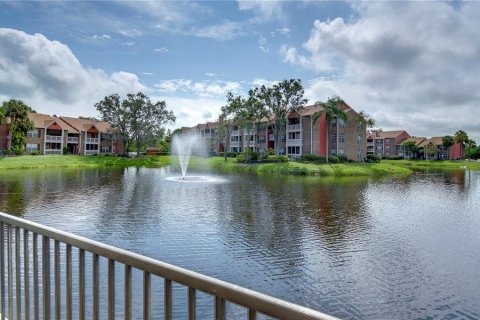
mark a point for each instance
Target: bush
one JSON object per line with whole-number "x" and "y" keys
{"x": 277, "y": 158}
{"x": 312, "y": 158}
{"x": 342, "y": 158}
{"x": 18, "y": 151}
{"x": 270, "y": 152}
{"x": 395, "y": 158}
{"x": 6, "y": 152}
{"x": 241, "y": 157}
{"x": 221, "y": 154}
{"x": 65, "y": 150}
{"x": 254, "y": 156}
{"x": 372, "y": 158}
{"x": 231, "y": 154}
{"x": 333, "y": 159}
{"x": 35, "y": 153}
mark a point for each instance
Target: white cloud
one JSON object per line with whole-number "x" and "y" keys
{"x": 262, "y": 44}
{"x": 147, "y": 73}
{"x": 101, "y": 37}
{"x": 264, "y": 9}
{"x": 203, "y": 88}
{"x": 226, "y": 30}
{"x": 48, "y": 76}
{"x": 210, "y": 74}
{"x": 258, "y": 82}
{"x": 160, "y": 50}
{"x": 394, "y": 62}
{"x": 129, "y": 43}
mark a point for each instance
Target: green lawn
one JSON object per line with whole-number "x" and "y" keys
{"x": 385, "y": 167}
{"x": 435, "y": 164}
{"x": 25, "y": 162}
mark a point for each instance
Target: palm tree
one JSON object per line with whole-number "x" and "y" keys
{"x": 447, "y": 142}
{"x": 332, "y": 111}
{"x": 461, "y": 137}
{"x": 18, "y": 111}
{"x": 365, "y": 120}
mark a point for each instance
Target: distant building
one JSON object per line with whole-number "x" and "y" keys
{"x": 386, "y": 143}
{"x": 302, "y": 135}
{"x": 53, "y": 135}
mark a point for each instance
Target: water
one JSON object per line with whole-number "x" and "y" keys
{"x": 183, "y": 146}
{"x": 356, "y": 248}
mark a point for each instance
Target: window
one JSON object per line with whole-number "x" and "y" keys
{"x": 333, "y": 151}
{"x": 341, "y": 137}
{"x": 293, "y": 150}
{"x": 91, "y": 146}
{"x": 261, "y": 139}
{"x": 282, "y": 139}
{"x": 387, "y": 148}
{"x": 105, "y": 149}
{"x": 333, "y": 137}
{"x": 341, "y": 123}
{"x": 359, "y": 139}
{"x": 31, "y": 147}
{"x": 387, "y": 142}
{"x": 33, "y": 134}
{"x": 341, "y": 151}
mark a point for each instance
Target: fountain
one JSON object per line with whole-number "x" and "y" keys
{"x": 184, "y": 146}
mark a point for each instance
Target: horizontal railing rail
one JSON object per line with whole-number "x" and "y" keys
{"x": 11, "y": 239}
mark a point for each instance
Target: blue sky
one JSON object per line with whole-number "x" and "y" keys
{"x": 408, "y": 71}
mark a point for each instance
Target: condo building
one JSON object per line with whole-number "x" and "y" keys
{"x": 301, "y": 135}
{"x": 58, "y": 135}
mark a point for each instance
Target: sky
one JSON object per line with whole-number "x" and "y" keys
{"x": 411, "y": 65}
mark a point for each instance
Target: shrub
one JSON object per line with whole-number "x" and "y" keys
{"x": 35, "y": 153}
{"x": 373, "y": 158}
{"x": 231, "y": 154}
{"x": 333, "y": 159}
{"x": 18, "y": 151}
{"x": 342, "y": 158}
{"x": 65, "y": 150}
{"x": 270, "y": 152}
{"x": 277, "y": 158}
{"x": 253, "y": 156}
{"x": 241, "y": 157}
{"x": 6, "y": 152}
{"x": 395, "y": 158}
{"x": 312, "y": 158}
{"x": 221, "y": 154}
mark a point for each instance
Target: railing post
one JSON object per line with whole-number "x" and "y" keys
{"x": 168, "y": 299}
{"x": 2, "y": 268}
{"x": 68, "y": 281}
{"x": 111, "y": 289}
{"x": 10, "y": 272}
{"x": 81, "y": 282}
{"x": 220, "y": 308}
{"x": 46, "y": 277}
{"x": 128, "y": 292}
{"x": 192, "y": 300}
{"x": 36, "y": 303}
{"x": 96, "y": 289}
{"x": 18, "y": 276}
{"x": 146, "y": 295}
{"x": 57, "y": 279}
{"x": 26, "y": 272}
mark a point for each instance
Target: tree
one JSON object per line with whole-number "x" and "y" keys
{"x": 364, "y": 121}
{"x": 135, "y": 118}
{"x": 410, "y": 147}
{"x": 332, "y": 111}
{"x": 461, "y": 137}
{"x": 17, "y": 111}
{"x": 447, "y": 142}
{"x": 224, "y": 130}
{"x": 471, "y": 149}
{"x": 280, "y": 100}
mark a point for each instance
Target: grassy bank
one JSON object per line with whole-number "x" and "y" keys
{"x": 61, "y": 161}
{"x": 422, "y": 164}
{"x": 296, "y": 168}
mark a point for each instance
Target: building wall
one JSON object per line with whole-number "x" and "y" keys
{"x": 456, "y": 151}
{"x": 4, "y": 139}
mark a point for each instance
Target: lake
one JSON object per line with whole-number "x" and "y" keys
{"x": 356, "y": 248}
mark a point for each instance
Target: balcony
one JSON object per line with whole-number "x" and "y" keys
{"x": 88, "y": 152}
{"x": 294, "y": 142}
{"x": 271, "y": 137}
{"x": 249, "y": 132}
{"x": 72, "y": 139}
{"x": 53, "y": 151}
{"x": 92, "y": 140}
{"x": 234, "y": 143}
{"x": 207, "y": 136}
{"x": 53, "y": 138}
{"x": 234, "y": 133}
{"x": 294, "y": 127}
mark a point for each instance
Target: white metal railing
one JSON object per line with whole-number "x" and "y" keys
{"x": 207, "y": 136}
{"x": 235, "y": 133}
{"x": 88, "y": 152}
{"x": 91, "y": 140}
{"x": 271, "y": 137}
{"x": 234, "y": 143}
{"x": 72, "y": 139}
{"x": 294, "y": 142}
{"x": 294, "y": 127}
{"x": 49, "y": 138}
{"x": 30, "y": 244}
{"x": 53, "y": 151}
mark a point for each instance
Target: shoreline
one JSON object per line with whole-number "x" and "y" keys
{"x": 383, "y": 168}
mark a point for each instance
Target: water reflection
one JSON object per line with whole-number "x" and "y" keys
{"x": 354, "y": 247}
